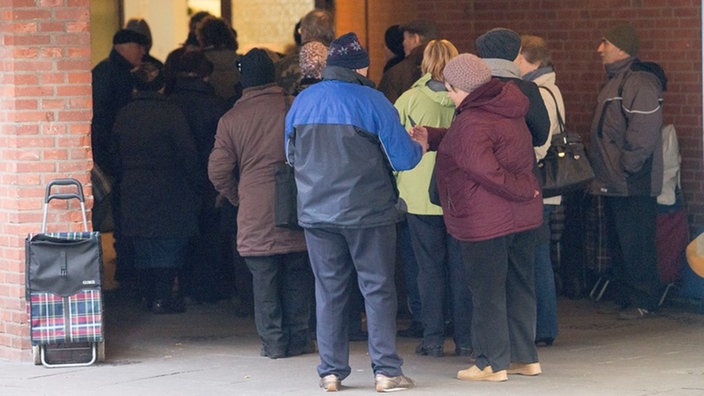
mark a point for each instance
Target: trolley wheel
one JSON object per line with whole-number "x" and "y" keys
{"x": 36, "y": 355}
{"x": 100, "y": 351}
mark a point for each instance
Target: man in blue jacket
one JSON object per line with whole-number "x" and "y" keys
{"x": 344, "y": 140}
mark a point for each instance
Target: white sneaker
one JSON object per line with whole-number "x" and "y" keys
{"x": 330, "y": 383}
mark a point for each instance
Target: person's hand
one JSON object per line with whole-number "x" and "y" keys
{"x": 420, "y": 134}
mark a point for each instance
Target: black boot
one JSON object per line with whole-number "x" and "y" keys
{"x": 165, "y": 303}
{"x": 145, "y": 288}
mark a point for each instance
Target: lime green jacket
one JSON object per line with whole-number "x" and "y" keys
{"x": 429, "y": 108}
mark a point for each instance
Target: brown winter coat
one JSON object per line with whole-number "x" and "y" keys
{"x": 248, "y": 145}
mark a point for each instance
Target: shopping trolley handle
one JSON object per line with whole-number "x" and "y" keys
{"x": 78, "y": 194}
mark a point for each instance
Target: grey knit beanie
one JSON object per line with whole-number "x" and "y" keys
{"x": 500, "y": 43}
{"x": 625, "y": 38}
{"x": 466, "y": 72}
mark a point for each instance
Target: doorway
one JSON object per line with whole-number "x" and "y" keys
{"x": 267, "y": 25}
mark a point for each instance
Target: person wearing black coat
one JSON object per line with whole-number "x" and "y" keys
{"x": 112, "y": 84}
{"x": 158, "y": 167}
{"x": 205, "y": 276}
{"x": 499, "y": 49}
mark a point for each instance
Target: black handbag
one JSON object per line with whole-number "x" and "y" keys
{"x": 565, "y": 167}
{"x": 285, "y": 197}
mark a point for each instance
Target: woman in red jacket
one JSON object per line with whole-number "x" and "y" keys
{"x": 492, "y": 204}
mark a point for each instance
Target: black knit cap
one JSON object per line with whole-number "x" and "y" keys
{"x": 257, "y": 68}
{"x": 393, "y": 38}
{"x": 500, "y": 43}
{"x": 124, "y": 36}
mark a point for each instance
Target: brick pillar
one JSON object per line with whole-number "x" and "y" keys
{"x": 45, "y": 113}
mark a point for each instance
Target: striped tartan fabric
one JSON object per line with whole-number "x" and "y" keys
{"x": 596, "y": 246}
{"x": 76, "y": 318}
{"x": 74, "y": 235}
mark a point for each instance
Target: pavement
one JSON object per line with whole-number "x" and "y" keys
{"x": 210, "y": 351}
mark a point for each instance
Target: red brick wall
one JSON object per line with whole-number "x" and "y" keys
{"x": 670, "y": 32}
{"x": 45, "y": 112}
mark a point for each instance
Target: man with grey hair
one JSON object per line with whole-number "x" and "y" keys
{"x": 317, "y": 25}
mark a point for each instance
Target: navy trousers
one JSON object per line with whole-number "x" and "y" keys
{"x": 441, "y": 274}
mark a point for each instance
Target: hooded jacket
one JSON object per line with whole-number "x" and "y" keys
{"x": 344, "y": 139}
{"x": 626, "y": 134}
{"x": 429, "y": 107}
{"x": 485, "y": 166}
{"x": 537, "y": 117}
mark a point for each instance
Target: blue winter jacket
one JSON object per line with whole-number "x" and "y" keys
{"x": 344, "y": 139}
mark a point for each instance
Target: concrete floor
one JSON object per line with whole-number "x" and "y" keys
{"x": 210, "y": 351}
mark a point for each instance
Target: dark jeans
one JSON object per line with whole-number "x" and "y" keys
{"x": 500, "y": 273}
{"x": 545, "y": 293}
{"x": 124, "y": 250}
{"x": 441, "y": 270}
{"x": 206, "y": 277}
{"x": 631, "y": 225}
{"x": 410, "y": 272}
{"x": 334, "y": 253}
{"x": 282, "y": 287}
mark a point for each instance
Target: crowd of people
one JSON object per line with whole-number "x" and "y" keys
{"x": 432, "y": 174}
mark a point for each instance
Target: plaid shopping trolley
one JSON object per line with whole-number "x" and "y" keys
{"x": 63, "y": 290}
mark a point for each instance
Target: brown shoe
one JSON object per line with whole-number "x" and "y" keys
{"x": 525, "y": 368}
{"x": 475, "y": 374}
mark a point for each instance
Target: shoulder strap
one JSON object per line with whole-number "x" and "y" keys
{"x": 287, "y": 102}
{"x": 287, "y": 107}
{"x": 560, "y": 121}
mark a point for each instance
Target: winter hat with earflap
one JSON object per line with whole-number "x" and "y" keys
{"x": 466, "y": 72}
{"x": 625, "y": 38}
{"x": 346, "y": 51}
